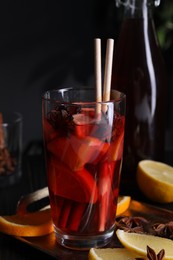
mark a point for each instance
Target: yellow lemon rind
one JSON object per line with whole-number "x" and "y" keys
{"x": 111, "y": 253}
{"x": 153, "y": 188}
{"x": 137, "y": 243}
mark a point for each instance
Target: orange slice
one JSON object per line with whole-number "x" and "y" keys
{"x": 29, "y": 225}
{"x": 123, "y": 204}
{"x": 74, "y": 185}
{"x": 38, "y": 223}
{"x": 76, "y": 152}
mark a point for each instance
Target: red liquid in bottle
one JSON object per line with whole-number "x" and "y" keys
{"x": 139, "y": 72}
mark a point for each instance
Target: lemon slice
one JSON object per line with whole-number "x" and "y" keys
{"x": 31, "y": 224}
{"x": 155, "y": 180}
{"x": 137, "y": 243}
{"x": 111, "y": 254}
{"x": 123, "y": 204}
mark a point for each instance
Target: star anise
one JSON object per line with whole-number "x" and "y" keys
{"x": 61, "y": 117}
{"x": 164, "y": 230}
{"x": 152, "y": 255}
{"x": 132, "y": 224}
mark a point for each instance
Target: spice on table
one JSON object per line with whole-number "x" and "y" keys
{"x": 152, "y": 255}
{"x": 164, "y": 230}
{"x": 132, "y": 224}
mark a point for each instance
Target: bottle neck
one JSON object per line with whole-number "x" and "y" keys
{"x": 137, "y": 8}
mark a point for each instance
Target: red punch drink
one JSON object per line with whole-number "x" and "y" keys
{"x": 83, "y": 152}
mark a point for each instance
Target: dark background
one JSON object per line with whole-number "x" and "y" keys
{"x": 49, "y": 44}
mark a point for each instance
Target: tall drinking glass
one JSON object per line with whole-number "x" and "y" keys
{"x": 83, "y": 143}
{"x": 11, "y": 124}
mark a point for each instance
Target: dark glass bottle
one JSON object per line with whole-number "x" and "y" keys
{"x": 139, "y": 71}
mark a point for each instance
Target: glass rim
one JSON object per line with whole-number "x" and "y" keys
{"x": 118, "y": 99}
{"x": 11, "y": 117}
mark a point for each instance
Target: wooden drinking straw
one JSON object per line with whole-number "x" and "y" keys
{"x": 107, "y": 73}
{"x": 103, "y": 173}
{"x": 108, "y": 70}
{"x": 98, "y": 74}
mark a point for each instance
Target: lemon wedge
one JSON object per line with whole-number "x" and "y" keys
{"x": 138, "y": 243}
{"x": 111, "y": 254}
{"x": 155, "y": 180}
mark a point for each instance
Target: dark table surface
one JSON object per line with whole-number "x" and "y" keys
{"x": 33, "y": 178}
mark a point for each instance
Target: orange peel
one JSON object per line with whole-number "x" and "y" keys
{"x": 33, "y": 224}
